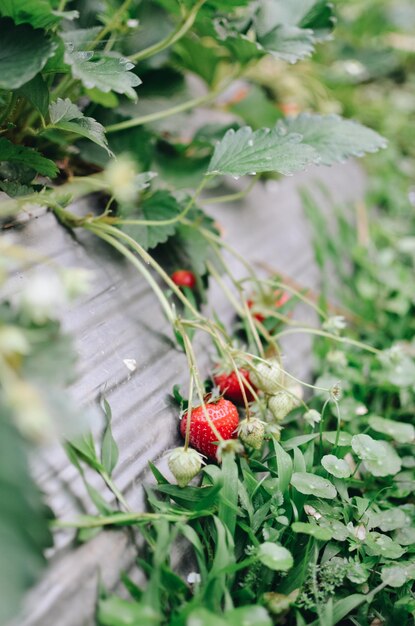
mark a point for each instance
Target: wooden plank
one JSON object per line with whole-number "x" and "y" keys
{"x": 120, "y": 319}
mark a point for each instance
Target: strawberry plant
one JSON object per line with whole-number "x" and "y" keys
{"x": 300, "y": 514}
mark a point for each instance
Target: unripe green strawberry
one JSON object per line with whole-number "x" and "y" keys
{"x": 184, "y": 465}
{"x": 280, "y": 405}
{"x": 267, "y": 376}
{"x": 251, "y": 432}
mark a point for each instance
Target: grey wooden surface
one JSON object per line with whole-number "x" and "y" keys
{"x": 120, "y": 319}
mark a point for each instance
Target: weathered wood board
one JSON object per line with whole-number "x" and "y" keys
{"x": 121, "y": 319}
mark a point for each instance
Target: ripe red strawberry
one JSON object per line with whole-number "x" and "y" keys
{"x": 228, "y": 384}
{"x": 184, "y": 278}
{"x": 224, "y": 416}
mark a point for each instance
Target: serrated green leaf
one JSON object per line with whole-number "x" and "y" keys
{"x": 400, "y": 432}
{"x": 29, "y": 157}
{"x": 104, "y": 71}
{"x": 38, "y": 13}
{"x": 311, "y": 484}
{"x": 160, "y": 206}
{"x": 334, "y": 138}
{"x": 289, "y": 30}
{"x": 24, "y": 53}
{"x": 335, "y": 466}
{"x": 37, "y": 92}
{"x": 378, "y": 456}
{"x": 289, "y": 43}
{"x": 65, "y": 115}
{"x": 247, "y": 152}
{"x": 275, "y": 557}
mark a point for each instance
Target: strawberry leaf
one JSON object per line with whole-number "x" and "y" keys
{"x": 104, "y": 71}
{"x": 28, "y": 157}
{"x": 65, "y": 115}
{"x": 247, "y": 152}
{"x": 160, "y": 206}
{"x": 289, "y": 30}
{"x": 38, "y": 13}
{"x": 24, "y": 52}
{"x": 334, "y": 138}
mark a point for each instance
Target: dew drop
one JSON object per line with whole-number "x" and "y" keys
{"x": 250, "y": 143}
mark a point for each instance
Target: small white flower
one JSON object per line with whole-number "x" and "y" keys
{"x": 42, "y": 297}
{"x": 335, "y": 324}
{"x": 312, "y": 417}
{"x": 132, "y": 23}
{"x": 77, "y": 281}
{"x": 360, "y": 532}
{"x": 120, "y": 176}
{"x": 312, "y": 512}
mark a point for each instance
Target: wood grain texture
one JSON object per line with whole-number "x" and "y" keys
{"x": 120, "y": 319}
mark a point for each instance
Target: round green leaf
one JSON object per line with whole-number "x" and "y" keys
{"x": 335, "y": 466}
{"x": 392, "y": 519}
{"x": 378, "y": 544}
{"x": 400, "y": 432}
{"x": 24, "y": 52}
{"x": 405, "y": 536}
{"x": 310, "y": 484}
{"x": 394, "y": 576}
{"x": 343, "y": 440}
{"x": 275, "y": 557}
{"x": 379, "y": 457}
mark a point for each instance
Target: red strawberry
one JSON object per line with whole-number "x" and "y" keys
{"x": 228, "y": 384}
{"x": 184, "y": 278}
{"x": 224, "y": 416}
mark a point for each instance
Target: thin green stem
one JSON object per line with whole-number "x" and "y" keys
{"x": 159, "y": 115}
{"x": 182, "y": 28}
{"x": 117, "y": 493}
{"x": 113, "y": 23}
{"x": 194, "y": 369}
{"x": 322, "y": 333}
{"x": 189, "y": 412}
{"x": 233, "y": 197}
{"x": 172, "y": 220}
{"x": 147, "y": 258}
{"x": 102, "y": 232}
